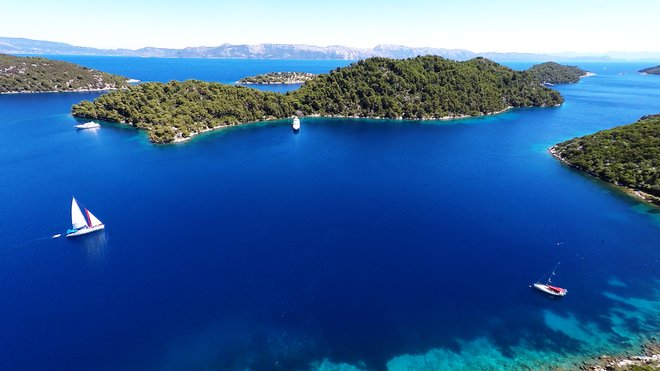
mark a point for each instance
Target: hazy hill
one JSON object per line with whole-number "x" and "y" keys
{"x": 270, "y": 51}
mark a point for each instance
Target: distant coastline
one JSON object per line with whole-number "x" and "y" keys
{"x": 59, "y": 91}
{"x": 277, "y": 78}
{"x": 282, "y": 51}
{"x": 35, "y": 74}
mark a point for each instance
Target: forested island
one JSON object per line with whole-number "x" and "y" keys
{"x": 33, "y": 74}
{"x": 651, "y": 70}
{"x": 277, "y": 78}
{"x": 427, "y": 87}
{"x": 555, "y": 73}
{"x": 627, "y": 156}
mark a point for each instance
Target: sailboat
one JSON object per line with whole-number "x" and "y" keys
{"x": 82, "y": 222}
{"x": 548, "y": 288}
{"x": 296, "y": 123}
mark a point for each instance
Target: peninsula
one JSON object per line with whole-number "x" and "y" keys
{"x": 651, "y": 70}
{"x": 277, "y": 78}
{"x": 628, "y": 156}
{"x": 555, "y": 73}
{"x": 32, "y": 74}
{"x": 426, "y": 88}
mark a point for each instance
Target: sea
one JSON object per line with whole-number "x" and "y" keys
{"x": 354, "y": 244}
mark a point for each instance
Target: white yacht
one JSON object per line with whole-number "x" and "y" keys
{"x": 88, "y": 125}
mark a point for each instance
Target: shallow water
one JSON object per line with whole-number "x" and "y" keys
{"x": 355, "y": 243}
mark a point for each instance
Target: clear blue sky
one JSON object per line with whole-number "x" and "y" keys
{"x": 479, "y": 25}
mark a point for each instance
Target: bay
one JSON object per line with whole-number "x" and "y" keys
{"x": 370, "y": 243}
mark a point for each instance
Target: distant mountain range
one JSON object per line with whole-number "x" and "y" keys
{"x": 10, "y": 45}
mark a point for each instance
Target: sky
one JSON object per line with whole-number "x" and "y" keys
{"x": 535, "y": 26}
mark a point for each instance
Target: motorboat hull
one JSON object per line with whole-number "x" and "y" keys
{"x": 89, "y": 125}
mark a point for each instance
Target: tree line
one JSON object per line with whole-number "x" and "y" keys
{"x": 427, "y": 87}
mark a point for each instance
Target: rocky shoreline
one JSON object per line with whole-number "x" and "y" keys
{"x": 180, "y": 139}
{"x": 636, "y": 193}
{"x": 647, "y": 359}
{"x": 277, "y": 78}
{"x": 61, "y": 91}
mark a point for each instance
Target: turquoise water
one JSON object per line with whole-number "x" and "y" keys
{"x": 355, "y": 244}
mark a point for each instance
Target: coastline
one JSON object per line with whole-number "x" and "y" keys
{"x": 271, "y": 83}
{"x": 648, "y": 358}
{"x": 60, "y": 91}
{"x": 105, "y": 88}
{"x": 588, "y": 74}
{"x": 635, "y": 193}
{"x": 444, "y": 118}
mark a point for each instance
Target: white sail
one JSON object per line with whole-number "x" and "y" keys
{"x": 94, "y": 221}
{"x": 77, "y": 217}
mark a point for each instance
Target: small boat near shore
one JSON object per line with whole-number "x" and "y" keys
{"x": 296, "y": 123}
{"x": 82, "y": 223}
{"x": 547, "y": 287}
{"x": 88, "y": 125}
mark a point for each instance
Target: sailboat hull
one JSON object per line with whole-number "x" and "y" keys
{"x": 83, "y": 231}
{"x": 549, "y": 290}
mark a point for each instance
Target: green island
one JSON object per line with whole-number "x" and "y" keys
{"x": 555, "y": 73}
{"x": 33, "y": 74}
{"x": 277, "y": 78}
{"x": 427, "y": 88}
{"x": 628, "y": 156}
{"x": 651, "y": 70}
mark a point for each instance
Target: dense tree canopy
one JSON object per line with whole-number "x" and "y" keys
{"x": 555, "y": 73}
{"x": 175, "y": 110}
{"x": 32, "y": 74}
{"x": 626, "y": 155}
{"x": 419, "y": 88}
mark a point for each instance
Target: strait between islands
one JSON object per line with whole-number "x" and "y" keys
{"x": 421, "y": 88}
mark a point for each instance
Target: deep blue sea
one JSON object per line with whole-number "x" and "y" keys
{"x": 355, "y": 244}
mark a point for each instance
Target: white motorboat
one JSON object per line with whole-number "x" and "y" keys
{"x": 82, "y": 223}
{"x": 88, "y": 125}
{"x": 296, "y": 123}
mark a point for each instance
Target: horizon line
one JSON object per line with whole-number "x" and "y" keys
{"x": 562, "y": 53}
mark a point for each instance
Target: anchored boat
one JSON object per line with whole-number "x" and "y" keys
{"x": 82, "y": 222}
{"x": 296, "y": 123}
{"x": 547, "y": 287}
{"x": 88, "y": 125}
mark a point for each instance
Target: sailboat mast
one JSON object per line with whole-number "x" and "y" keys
{"x": 553, "y": 273}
